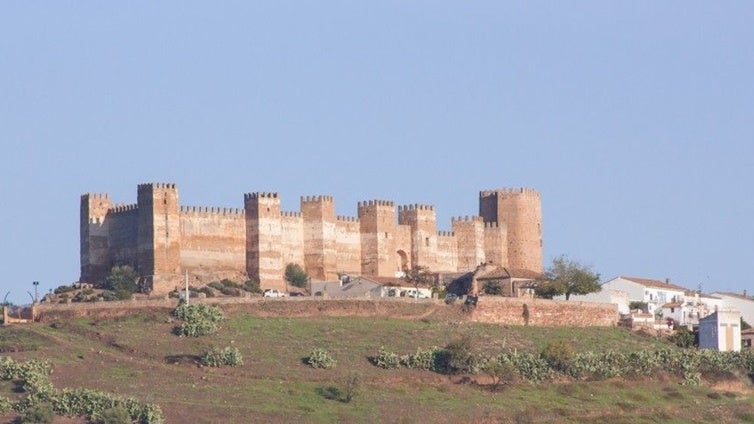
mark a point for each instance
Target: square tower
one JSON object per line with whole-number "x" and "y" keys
{"x": 320, "y": 248}
{"x": 94, "y": 253}
{"x": 158, "y": 248}
{"x": 264, "y": 236}
{"x": 423, "y": 223}
{"x": 377, "y": 226}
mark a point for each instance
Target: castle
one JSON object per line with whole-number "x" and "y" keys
{"x": 165, "y": 241}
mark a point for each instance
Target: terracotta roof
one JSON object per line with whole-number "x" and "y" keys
{"x": 673, "y": 305}
{"x": 499, "y": 273}
{"x": 646, "y": 282}
{"x": 748, "y": 331}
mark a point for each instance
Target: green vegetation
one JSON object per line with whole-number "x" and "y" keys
{"x": 320, "y": 358}
{"x": 567, "y": 277}
{"x": 41, "y": 400}
{"x": 198, "y": 320}
{"x": 295, "y": 275}
{"x": 123, "y": 281}
{"x": 132, "y": 356}
{"x": 229, "y": 356}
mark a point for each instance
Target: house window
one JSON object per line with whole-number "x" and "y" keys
{"x": 672, "y": 310}
{"x": 426, "y": 241}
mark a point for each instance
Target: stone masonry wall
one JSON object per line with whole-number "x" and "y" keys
{"x": 213, "y": 241}
{"x": 505, "y": 311}
{"x": 544, "y": 312}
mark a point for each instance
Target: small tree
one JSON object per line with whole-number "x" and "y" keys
{"x": 295, "y": 275}
{"x": 122, "y": 279}
{"x": 567, "y": 277}
{"x": 419, "y": 276}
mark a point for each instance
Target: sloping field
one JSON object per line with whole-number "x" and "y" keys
{"x": 138, "y": 355}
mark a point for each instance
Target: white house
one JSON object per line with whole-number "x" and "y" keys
{"x": 693, "y": 307}
{"x": 654, "y": 293}
{"x": 721, "y": 331}
{"x": 739, "y": 302}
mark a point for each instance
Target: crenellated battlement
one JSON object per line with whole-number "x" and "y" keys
{"x": 317, "y": 199}
{"x": 466, "y": 219}
{"x": 121, "y": 208}
{"x": 493, "y": 225}
{"x": 147, "y": 186}
{"x": 416, "y": 206}
{"x": 508, "y": 191}
{"x": 372, "y": 203}
{"x": 260, "y": 195}
{"x": 105, "y": 196}
{"x": 211, "y": 210}
{"x": 290, "y": 214}
{"x": 446, "y": 234}
{"x": 342, "y": 218}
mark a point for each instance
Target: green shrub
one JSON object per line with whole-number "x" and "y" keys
{"x": 683, "y": 337}
{"x": 63, "y": 289}
{"x": 385, "y": 359}
{"x": 320, "y": 358}
{"x": 252, "y": 286}
{"x": 5, "y": 405}
{"x": 114, "y": 415}
{"x": 198, "y": 320}
{"x": 423, "y": 359}
{"x": 559, "y": 354}
{"x": 457, "y": 358}
{"x": 38, "y": 414}
{"x": 229, "y": 356}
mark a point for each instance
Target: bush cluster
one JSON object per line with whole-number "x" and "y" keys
{"x": 558, "y": 359}
{"x": 41, "y": 395}
{"x": 320, "y": 358}
{"x": 455, "y": 358}
{"x": 198, "y": 320}
{"x": 229, "y": 356}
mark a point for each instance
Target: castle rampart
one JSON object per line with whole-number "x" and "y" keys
{"x": 165, "y": 241}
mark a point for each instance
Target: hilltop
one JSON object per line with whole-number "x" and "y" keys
{"x": 138, "y": 355}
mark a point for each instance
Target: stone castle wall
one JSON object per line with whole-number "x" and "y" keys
{"x": 506, "y": 311}
{"x": 165, "y": 241}
{"x": 544, "y": 312}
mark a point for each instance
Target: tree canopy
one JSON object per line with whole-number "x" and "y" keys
{"x": 295, "y": 275}
{"x": 567, "y": 277}
{"x": 419, "y": 276}
{"x": 122, "y": 279}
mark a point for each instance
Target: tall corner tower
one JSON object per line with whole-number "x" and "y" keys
{"x": 377, "y": 227}
{"x": 158, "y": 249}
{"x": 264, "y": 236}
{"x": 93, "y": 237}
{"x": 423, "y": 223}
{"x": 320, "y": 248}
{"x": 521, "y": 211}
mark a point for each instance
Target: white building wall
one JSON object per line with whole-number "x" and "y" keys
{"x": 745, "y": 306}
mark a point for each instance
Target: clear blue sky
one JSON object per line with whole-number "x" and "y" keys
{"x": 634, "y": 120}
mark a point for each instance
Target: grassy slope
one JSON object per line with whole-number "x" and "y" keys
{"x": 138, "y": 356}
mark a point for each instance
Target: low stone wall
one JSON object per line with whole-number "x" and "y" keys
{"x": 544, "y": 312}
{"x": 489, "y": 309}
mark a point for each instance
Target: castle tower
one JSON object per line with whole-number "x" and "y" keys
{"x": 377, "y": 226}
{"x": 158, "y": 246}
{"x": 469, "y": 231}
{"x": 521, "y": 211}
{"x": 320, "y": 252}
{"x": 423, "y": 223}
{"x": 264, "y": 261}
{"x": 94, "y": 254}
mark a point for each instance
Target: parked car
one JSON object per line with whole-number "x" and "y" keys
{"x": 416, "y": 294}
{"x": 450, "y": 298}
{"x": 273, "y": 293}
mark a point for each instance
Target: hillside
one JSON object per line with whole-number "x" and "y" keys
{"x": 139, "y": 356}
